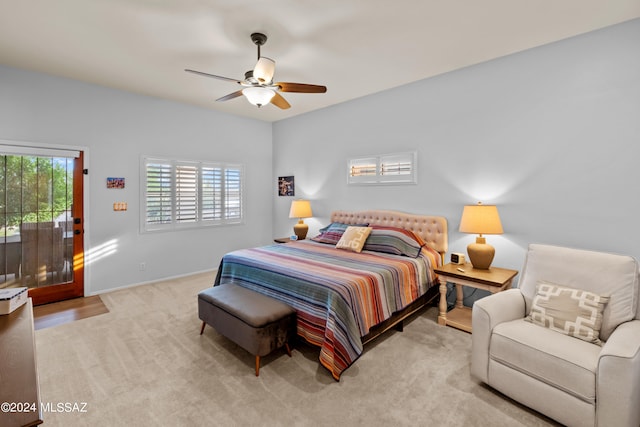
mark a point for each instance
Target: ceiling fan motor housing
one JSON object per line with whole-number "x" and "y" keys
{"x": 258, "y": 39}
{"x": 248, "y": 77}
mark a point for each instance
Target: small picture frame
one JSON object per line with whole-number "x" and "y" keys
{"x": 117, "y": 183}
{"x": 286, "y": 186}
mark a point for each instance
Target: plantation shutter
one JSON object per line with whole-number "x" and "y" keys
{"x": 179, "y": 194}
{"x": 398, "y": 164}
{"x": 186, "y": 193}
{"x": 233, "y": 194}
{"x": 363, "y": 167}
{"x": 159, "y": 193}
{"x": 397, "y": 168}
{"x": 211, "y": 193}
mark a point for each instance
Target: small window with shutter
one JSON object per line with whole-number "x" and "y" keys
{"x": 398, "y": 168}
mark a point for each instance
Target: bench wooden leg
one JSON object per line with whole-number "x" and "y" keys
{"x": 286, "y": 345}
{"x": 202, "y": 329}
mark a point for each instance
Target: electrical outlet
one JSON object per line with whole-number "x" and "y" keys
{"x": 143, "y": 266}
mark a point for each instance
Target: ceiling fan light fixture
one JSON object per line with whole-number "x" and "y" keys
{"x": 258, "y": 96}
{"x": 264, "y": 70}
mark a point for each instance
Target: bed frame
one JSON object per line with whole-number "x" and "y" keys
{"x": 432, "y": 229}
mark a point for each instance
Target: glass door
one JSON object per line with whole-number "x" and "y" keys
{"x": 41, "y": 224}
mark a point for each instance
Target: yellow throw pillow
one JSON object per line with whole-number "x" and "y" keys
{"x": 353, "y": 238}
{"x": 572, "y": 312}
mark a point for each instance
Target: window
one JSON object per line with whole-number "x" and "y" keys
{"x": 184, "y": 194}
{"x": 36, "y": 231}
{"x": 399, "y": 168}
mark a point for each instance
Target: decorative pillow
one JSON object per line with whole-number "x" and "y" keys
{"x": 573, "y": 312}
{"x": 353, "y": 238}
{"x": 393, "y": 240}
{"x": 332, "y": 233}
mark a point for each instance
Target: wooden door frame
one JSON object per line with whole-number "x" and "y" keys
{"x": 75, "y": 288}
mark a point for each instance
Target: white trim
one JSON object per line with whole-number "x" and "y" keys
{"x": 25, "y": 149}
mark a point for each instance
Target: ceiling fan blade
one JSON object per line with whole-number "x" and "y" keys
{"x": 280, "y": 102}
{"x": 301, "y": 87}
{"x": 230, "y": 96}
{"x": 200, "y": 73}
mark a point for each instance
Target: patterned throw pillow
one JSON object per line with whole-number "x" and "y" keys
{"x": 573, "y": 312}
{"x": 332, "y": 233}
{"x": 353, "y": 238}
{"x": 393, "y": 240}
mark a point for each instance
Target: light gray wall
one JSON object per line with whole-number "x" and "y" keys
{"x": 550, "y": 135}
{"x": 117, "y": 128}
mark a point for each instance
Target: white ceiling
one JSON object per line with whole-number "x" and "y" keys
{"x": 354, "y": 47}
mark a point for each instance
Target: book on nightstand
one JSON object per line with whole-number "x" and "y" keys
{"x": 12, "y": 298}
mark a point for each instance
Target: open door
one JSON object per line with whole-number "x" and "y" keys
{"x": 41, "y": 234}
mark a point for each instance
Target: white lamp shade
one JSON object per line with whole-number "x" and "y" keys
{"x": 300, "y": 209}
{"x": 258, "y": 95}
{"x": 264, "y": 70}
{"x": 480, "y": 219}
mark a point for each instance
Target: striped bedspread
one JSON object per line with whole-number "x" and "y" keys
{"x": 338, "y": 295}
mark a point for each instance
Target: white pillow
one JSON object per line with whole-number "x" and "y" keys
{"x": 573, "y": 312}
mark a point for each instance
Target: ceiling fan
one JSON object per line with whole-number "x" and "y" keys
{"x": 258, "y": 85}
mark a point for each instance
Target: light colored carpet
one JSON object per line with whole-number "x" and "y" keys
{"x": 145, "y": 364}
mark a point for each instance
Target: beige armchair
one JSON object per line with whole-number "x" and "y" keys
{"x": 569, "y": 379}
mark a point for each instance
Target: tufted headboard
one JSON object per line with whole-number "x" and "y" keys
{"x": 431, "y": 229}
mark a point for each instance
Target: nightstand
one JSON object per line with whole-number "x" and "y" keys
{"x": 283, "y": 240}
{"x": 493, "y": 280}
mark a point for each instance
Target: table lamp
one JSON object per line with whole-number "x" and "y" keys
{"x": 300, "y": 209}
{"x": 480, "y": 219}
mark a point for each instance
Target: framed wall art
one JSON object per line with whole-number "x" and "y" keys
{"x": 286, "y": 186}
{"x": 115, "y": 183}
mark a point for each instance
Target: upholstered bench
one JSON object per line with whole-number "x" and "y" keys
{"x": 255, "y": 322}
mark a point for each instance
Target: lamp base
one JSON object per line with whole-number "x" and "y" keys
{"x": 300, "y": 230}
{"x": 481, "y": 254}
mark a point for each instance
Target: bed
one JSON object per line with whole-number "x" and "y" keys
{"x": 344, "y": 299}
